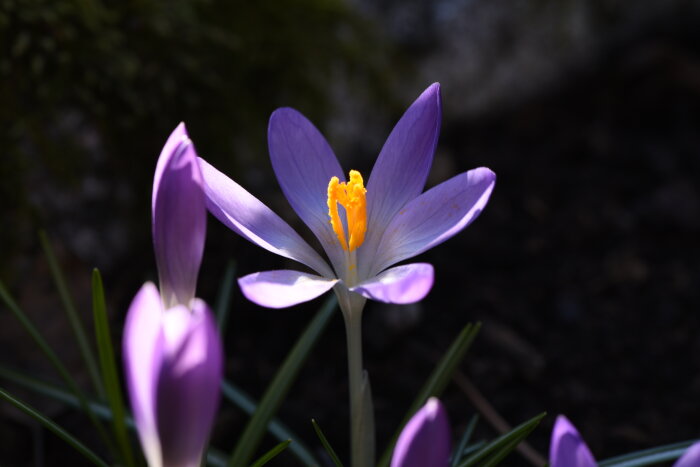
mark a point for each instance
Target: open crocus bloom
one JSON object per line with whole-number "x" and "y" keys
{"x": 171, "y": 347}
{"x": 363, "y": 231}
{"x": 425, "y": 440}
{"x": 567, "y": 449}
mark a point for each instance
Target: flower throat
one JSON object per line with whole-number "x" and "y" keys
{"x": 351, "y": 196}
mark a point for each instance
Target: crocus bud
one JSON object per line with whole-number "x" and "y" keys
{"x": 178, "y": 219}
{"x": 173, "y": 364}
{"x": 425, "y": 440}
{"x": 567, "y": 448}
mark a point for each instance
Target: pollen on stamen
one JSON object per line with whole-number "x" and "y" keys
{"x": 352, "y": 196}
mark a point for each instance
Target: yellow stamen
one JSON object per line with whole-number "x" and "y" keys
{"x": 351, "y": 196}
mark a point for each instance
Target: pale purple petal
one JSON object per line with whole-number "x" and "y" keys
{"x": 304, "y": 163}
{"x": 691, "y": 457}
{"x": 143, "y": 347}
{"x": 400, "y": 172}
{"x": 178, "y": 218}
{"x": 425, "y": 440}
{"x": 188, "y": 388}
{"x": 283, "y": 288}
{"x": 567, "y": 448}
{"x": 249, "y": 217}
{"x": 408, "y": 283}
{"x": 434, "y": 216}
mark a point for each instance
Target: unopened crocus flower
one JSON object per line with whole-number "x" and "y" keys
{"x": 389, "y": 221}
{"x": 425, "y": 440}
{"x": 172, "y": 351}
{"x": 568, "y": 449}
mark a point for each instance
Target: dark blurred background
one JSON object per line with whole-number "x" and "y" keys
{"x": 584, "y": 268}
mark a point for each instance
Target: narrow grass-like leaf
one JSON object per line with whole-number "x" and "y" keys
{"x": 436, "y": 382}
{"x": 498, "y": 449}
{"x": 109, "y": 368}
{"x": 73, "y": 318}
{"x": 458, "y": 453}
{"x": 223, "y": 300}
{"x": 56, "y": 362}
{"x": 326, "y": 445}
{"x": 276, "y": 428}
{"x": 271, "y": 454}
{"x": 48, "y": 423}
{"x": 651, "y": 456}
{"x": 278, "y": 388}
{"x": 58, "y": 393}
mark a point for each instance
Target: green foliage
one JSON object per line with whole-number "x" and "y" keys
{"x": 326, "y": 445}
{"x": 279, "y": 386}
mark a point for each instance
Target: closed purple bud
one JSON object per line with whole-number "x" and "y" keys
{"x": 178, "y": 219}
{"x": 567, "y": 448}
{"x": 425, "y": 440}
{"x": 173, "y": 364}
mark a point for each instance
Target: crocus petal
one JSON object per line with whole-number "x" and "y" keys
{"x": 408, "y": 283}
{"x": 249, "y": 217}
{"x": 567, "y": 448}
{"x": 691, "y": 457}
{"x": 434, "y": 216}
{"x": 143, "y": 347}
{"x": 178, "y": 218}
{"x": 188, "y": 388}
{"x": 425, "y": 440}
{"x": 304, "y": 163}
{"x": 283, "y": 288}
{"x": 400, "y": 172}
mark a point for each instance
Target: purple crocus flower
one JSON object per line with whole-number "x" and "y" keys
{"x": 425, "y": 440}
{"x": 172, "y": 351}
{"x": 388, "y": 222}
{"x": 568, "y": 449}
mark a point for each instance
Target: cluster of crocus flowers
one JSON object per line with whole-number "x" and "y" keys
{"x": 171, "y": 347}
{"x": 567, "y": 449}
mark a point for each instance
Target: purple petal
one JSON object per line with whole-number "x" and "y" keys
{"x": 434, "y": 216}
{"x": 143, "y": 347}
{"x": 567, "y": 448}
{"x": 403, "y": 164}
{"x": 425, "y": 441}
{"x": 304, "y": 163}
{"x": 408, "y": 283}
{"x": 691, "y": 457}
{"x": 247, "y": 216}
{"x": 178, "y": 218}
{"x": 283, "y": 288}
{"x": 188, "y": 388}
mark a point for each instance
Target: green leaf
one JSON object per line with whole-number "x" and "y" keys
{"x": 498, "y": 449}
{"x": 272, "y": 453}
{"x": 56, "y": 362}
{"x": 326, "y": 444}
{"x": 57, "y": 393}
{"x": 437, "y": 381}
{"x": 458, "y": 453}
{"x": 275, "y": 427}
{"x": 109, "y": 371}
{"x": 223, "y": 300}
{"x": 278, "y": 388}
{"x": 73, "y": 318}
{"x": 63, "y": 434}
{"x": 651, "y": 456}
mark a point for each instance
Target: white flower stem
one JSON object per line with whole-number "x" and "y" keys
{"x": 361, "y": 407}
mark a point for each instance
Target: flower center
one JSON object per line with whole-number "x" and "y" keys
{"x": 351, "y": 196}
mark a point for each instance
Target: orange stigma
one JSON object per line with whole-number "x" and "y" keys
{"x": 351, "y": 196}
